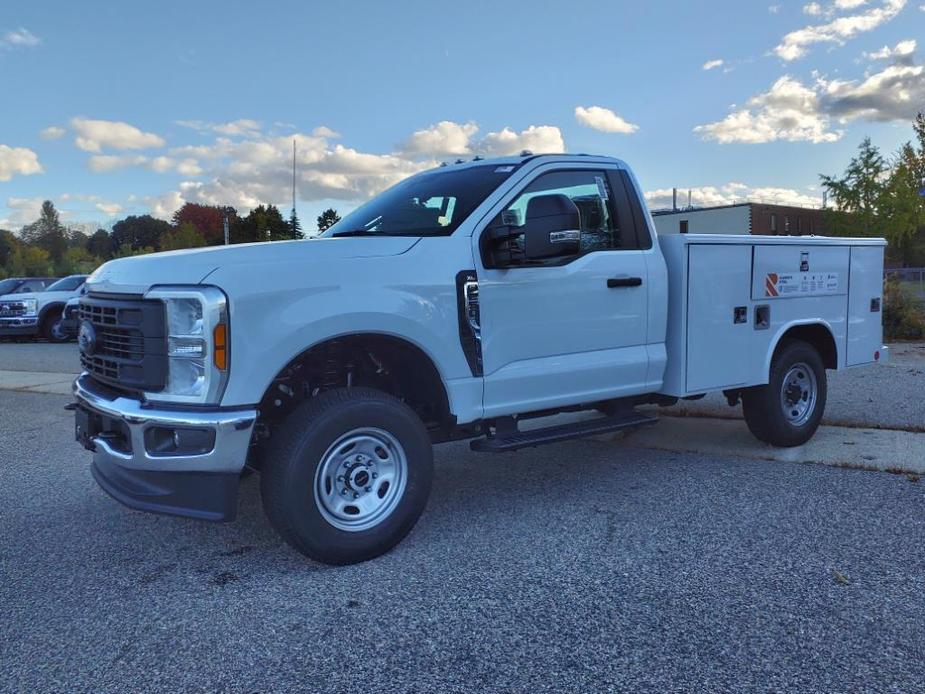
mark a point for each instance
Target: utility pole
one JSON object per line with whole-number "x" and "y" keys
{"x": 293, "y": 178}
{"x": 225, "y": 225}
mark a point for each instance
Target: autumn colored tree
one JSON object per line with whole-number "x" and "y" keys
{"x": 208, "y": 220}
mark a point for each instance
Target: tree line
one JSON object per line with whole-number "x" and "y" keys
{"x": 882, "y": 195}
{"x": 46, "y": 247}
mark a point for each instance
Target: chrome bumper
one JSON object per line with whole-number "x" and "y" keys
{"x": 203, "y": 485}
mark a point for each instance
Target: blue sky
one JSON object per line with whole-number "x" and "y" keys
{"x": 114, "y": 109}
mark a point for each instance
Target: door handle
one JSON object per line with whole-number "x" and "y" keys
{"x": 615, "y": 282}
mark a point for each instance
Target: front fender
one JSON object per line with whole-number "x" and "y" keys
{"x": 264, "y": 339}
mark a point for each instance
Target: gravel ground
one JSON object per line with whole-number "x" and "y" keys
{"x": 890, "y": 396}
{"x": 587, "y": 566}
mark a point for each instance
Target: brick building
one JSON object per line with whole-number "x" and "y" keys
{"x": 742, "y": 218}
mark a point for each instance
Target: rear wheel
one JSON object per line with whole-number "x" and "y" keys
{"x": 346, "y": 477}
{"x": 787, "y": 411}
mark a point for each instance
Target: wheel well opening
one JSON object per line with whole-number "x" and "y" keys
{"x": 816, "y": 335}
{"x": 383, "y": 362}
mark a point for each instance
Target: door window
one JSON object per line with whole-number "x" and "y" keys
{"x": 591, "y": 192}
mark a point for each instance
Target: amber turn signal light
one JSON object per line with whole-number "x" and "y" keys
{"x": 220, "y": 340}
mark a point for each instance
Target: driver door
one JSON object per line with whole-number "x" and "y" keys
{"x": 572, "y": 329}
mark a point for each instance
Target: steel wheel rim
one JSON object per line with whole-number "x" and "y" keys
{"x": 798, "y": 394}
{"x": 57, "y": 330}
{"x": 361, "y": 479}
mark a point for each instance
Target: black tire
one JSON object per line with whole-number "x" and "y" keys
{"x": 764, "y": 406}
{"x": 296, "y": 451}
{"x": 52, "y": 329}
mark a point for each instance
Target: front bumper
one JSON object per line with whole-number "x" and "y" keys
{"x": 25, "y": 325}
{"x": 203, "y": 485}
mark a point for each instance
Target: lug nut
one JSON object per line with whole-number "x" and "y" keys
{"x": 356, "y": 495}
{"x": 340, "y": 478}
{"x": 343, "y": 492}
{"x": 375, "y": 475}
{"x": 369, "y": 489}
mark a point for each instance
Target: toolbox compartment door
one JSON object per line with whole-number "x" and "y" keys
{"x": 865, "y": 305}
{"x": 720, "y": 353}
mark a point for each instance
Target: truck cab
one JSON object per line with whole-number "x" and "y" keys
{"x": 458, "y": 304}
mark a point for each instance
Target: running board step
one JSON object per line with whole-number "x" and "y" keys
{"x": 562, "y": 432}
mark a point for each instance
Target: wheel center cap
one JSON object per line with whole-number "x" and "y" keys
{"x": 360, "y": 478}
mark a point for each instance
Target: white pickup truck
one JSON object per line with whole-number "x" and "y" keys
{"x": 454, "y": 305}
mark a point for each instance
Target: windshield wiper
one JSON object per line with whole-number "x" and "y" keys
{"x": 356, "y": 232}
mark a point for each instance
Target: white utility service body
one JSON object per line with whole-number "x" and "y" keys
{"x": 777, "y": 283}
{"x": 454, "y": 305}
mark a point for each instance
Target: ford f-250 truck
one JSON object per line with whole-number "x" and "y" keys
{"x": 455, "y": 305}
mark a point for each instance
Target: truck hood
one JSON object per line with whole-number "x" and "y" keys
{"x": 137, "y": 274}
{"x": 43, "y": 297}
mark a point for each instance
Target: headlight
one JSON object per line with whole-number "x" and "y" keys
{"x": 197, "y": 345}
{"x": 31, "y": 306}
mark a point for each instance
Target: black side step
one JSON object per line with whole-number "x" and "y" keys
{"x": 562, "y": 432}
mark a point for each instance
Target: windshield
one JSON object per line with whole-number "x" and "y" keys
{"x": 431, "y": 204}
{"x": 67, "y": 284}
{"x": 7, "y": 286}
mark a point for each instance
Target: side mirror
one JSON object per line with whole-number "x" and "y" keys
{"x": 552, "y": 228}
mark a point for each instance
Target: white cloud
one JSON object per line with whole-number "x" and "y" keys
{"x": 788, "y": 111}
{"x": 731, "y": 193}
{"x": 445, "y": 138}
{"x": 774, "y": 9}
{"x": 18, "y": 161}
{"x": 109, "y": 208}
{"x": 901, "y": 51}
{"x": 713, "y": 64}
{"x": 605, "y": 120}
{"x": 240, "y": 127}
{"x": 814, "y": 9}
{"x": 95, "y": 135}
{"x": 52, "y": 132}
{"x": 258, "y": 170}
{"x": 792, "y": 110}
{"x": 324, "y": 131}
{"x": 540, "y": 139}
{"x": 105, "y": 163}
{"x": 838, "y": 30}
{"x": 895, "y": 93}
{"x": 18, "y": 38}
{"x": 21, "y": 211}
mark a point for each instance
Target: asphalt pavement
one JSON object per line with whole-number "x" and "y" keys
{"x": 586, "y": 566}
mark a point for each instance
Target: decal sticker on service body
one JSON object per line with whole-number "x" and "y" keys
{"x": 801, "y": 284}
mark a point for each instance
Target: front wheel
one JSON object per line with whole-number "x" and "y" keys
{"x": 53, "y": 328}
{"x": 347, "y": 475}
{"x": 787, "y": 411}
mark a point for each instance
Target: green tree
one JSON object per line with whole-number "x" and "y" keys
{"x": 8, "y": 244}
{"x": 47, "y": 233}
{"x": 137, "y": 233}
{"x": 77, "y": 261}
{"x": 295, "y": 226}
{"x": 126, "y": 251}
{"x": 99, "y": 244}
{"x": 327, "y": 219}
{"x": 183, "y": 236}
{"x": 263, "y": 223}
{"x": 30, "y": 261}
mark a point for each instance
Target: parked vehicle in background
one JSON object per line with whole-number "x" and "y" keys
{"x": 452, "y": 306}
{"x": 25, "y": 285}
{"x": 69, "y": 316}
{"x": 40, "y": 312}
